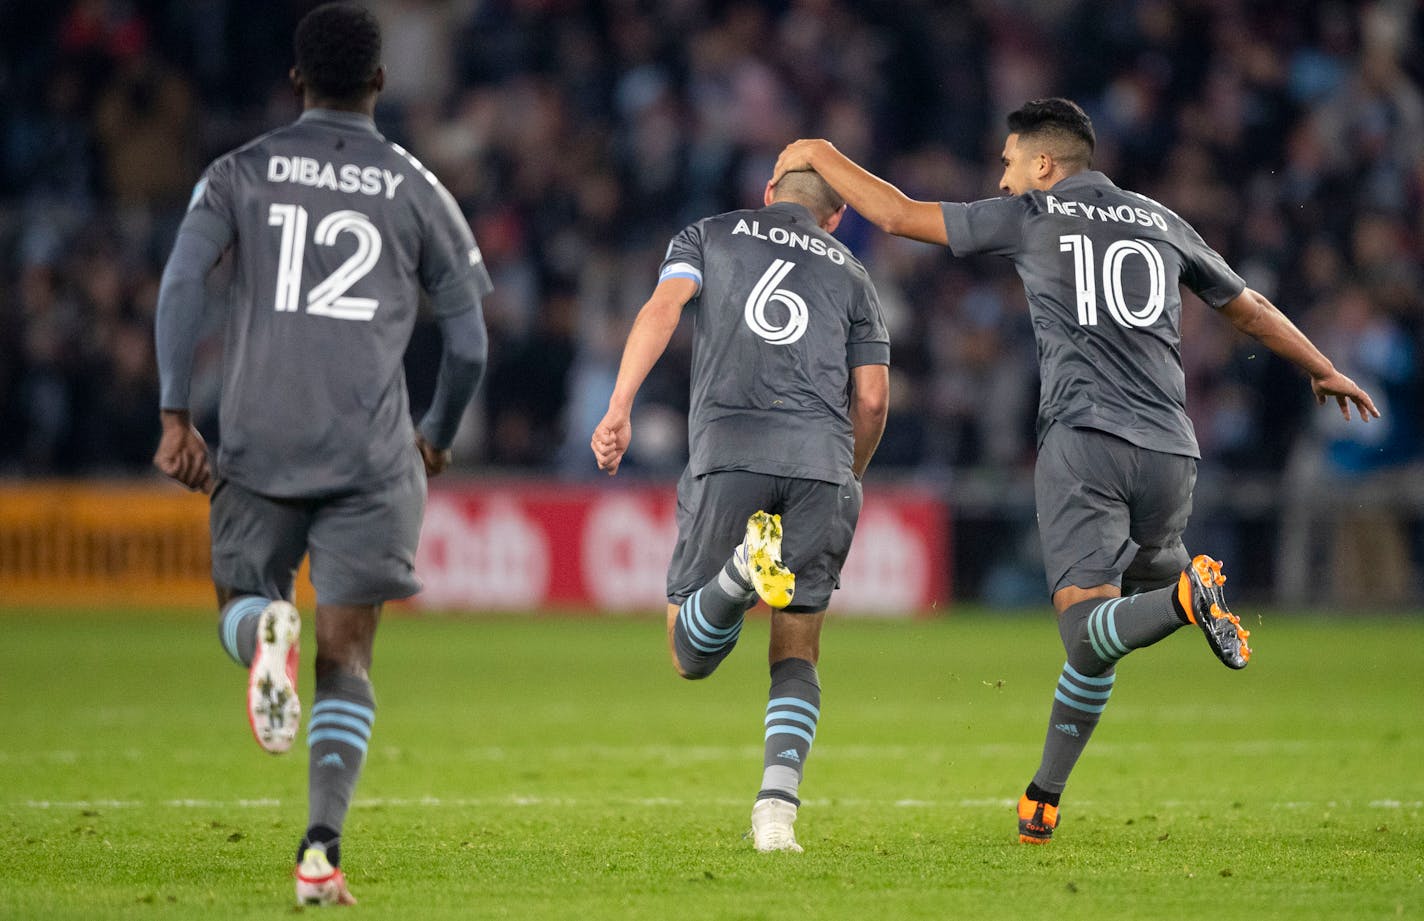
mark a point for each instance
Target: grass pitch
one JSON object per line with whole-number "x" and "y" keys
{"x": 540, "y": 768}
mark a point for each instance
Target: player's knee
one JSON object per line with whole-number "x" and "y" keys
{"x": 1088, "y": 663}
{"x": 1078, "y": 645}
{"x": 693, "y": 670}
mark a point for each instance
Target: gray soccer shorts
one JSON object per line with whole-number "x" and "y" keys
{"x": 1109, "y": 512}
{"x": 817, "y": 524}
{"x": 362, "y": 544}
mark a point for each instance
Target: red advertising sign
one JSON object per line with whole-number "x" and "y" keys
{"x": 530, "y": 546}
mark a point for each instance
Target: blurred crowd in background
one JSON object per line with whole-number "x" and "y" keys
{"x": 579, "y": 137}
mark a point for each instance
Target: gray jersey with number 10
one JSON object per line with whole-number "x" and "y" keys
{"x": 335, "y": 231}
{"x": 1100, "y": 266}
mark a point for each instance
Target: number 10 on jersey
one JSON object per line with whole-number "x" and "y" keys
{"x": 1085, "y": 280}
{"x": 327, "y": 298}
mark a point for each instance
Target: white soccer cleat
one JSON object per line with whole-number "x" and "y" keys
{"x": 771, "y": 826}
{"x": 319, "y": 883}
{"x": 774, "y": 583}
{"x": 273, "y": 710}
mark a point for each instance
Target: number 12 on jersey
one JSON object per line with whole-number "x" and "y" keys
{"x": 328, "y": 297}
{"x": 1085, "y": 280}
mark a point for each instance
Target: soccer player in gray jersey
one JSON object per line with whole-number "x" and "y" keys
{"x": 790, "y": 383}
{"x": 1117, "y": 454}
{"x": 334, "y": 232}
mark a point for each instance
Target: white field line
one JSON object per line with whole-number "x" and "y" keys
{"x": 826, "y": 751}
{"x": 476, "y": 802}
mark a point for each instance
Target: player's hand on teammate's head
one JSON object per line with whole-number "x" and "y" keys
{"x": 436, "y": 459}
{"x": 1345, "y": 392}
{"x": 795, "y": 157}
{"x": 182, "y": 454}
{"x": 610, "y": 441}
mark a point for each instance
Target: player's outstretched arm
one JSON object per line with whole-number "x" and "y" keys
{"x": 1253, "y": 314}
{"x": 877, "y": 200}
{"x": 869, "y": 408}
{"x": 646, "y": 343}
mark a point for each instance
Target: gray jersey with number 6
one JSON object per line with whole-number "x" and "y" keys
{"x": 1101, "y": 266}
{"x": 782, "y": 313}
{"x": 334, "y": 232}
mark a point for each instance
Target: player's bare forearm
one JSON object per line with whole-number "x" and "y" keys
{"x": 1253, "y": 314}
{"x": 869, "y": 409}
{"x": 652, "y": 330}
{"x": 867, "y": 430}
{"x": 875, "y": 199}
{"x": 649, "y": 337}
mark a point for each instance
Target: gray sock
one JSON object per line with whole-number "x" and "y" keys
{"x": 1082, "y": 692}
{"x": 1078, "y": 704}
{"x": 237, "y": 626}
{"x": 1096, "y": 634}
{"x": 709, "y": 623}
{"x": 1119, "y": 625}
{"x": 340, "y": 729}
{"x": 792, "y": 712}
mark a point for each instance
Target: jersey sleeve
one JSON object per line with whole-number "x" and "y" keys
{"x": 991, "y": 227}
{"x": 452, "y": 268}
{"x": 1206, "y": 273}
{"x": 684, "y": 257}
{"x": 869, "y": 340}
{"x": 210, "y": 209}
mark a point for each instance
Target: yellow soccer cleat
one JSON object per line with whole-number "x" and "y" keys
{"x": 773, "y": 582}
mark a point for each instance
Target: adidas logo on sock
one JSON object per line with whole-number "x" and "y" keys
{"x": 1070, "y": 729}
{"x": 790, "y": 755}
{"x": 332, "y": 759}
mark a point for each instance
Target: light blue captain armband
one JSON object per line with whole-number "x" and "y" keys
{"x": 681, "y": 270}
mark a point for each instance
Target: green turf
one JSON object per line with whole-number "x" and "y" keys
{"x": 544, "y": 768}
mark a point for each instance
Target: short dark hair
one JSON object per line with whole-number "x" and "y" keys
{"x": 1059, "y": 123}
{"x": 338, "y": 49}
{"x": 806, "y": 187}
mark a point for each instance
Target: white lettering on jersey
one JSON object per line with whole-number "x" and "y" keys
{"x": 1128, "y": 315}
{"x": 783, "y": 237}
{"x": 1117, "y": 214}
{"x": 348, "y": 177}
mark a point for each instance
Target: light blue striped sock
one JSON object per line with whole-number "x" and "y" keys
{"x": 1102, "y": 632}
{"x": 1147, "y": 618}
{"x": 343, "y": 711}
{"x": 792, "y": 713}
{"x": 237, "y": 627}
{"x": 1078, "y": 704}
{"x": 708, "y": 625}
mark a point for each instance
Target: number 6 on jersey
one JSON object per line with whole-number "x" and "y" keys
{"x": 328, "y": 297}
{"x": 766, "y": 292}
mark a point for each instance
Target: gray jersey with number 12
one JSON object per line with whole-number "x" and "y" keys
{"x": 335, "y": 231}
